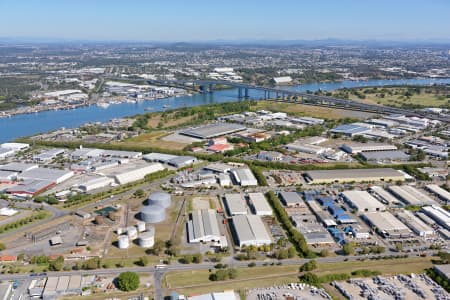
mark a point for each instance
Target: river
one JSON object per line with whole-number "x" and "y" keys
{"x": 31, "y": 124}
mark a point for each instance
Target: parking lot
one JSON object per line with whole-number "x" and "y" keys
{"x": 297, "y": 291}
{"x": 396, "y": 287}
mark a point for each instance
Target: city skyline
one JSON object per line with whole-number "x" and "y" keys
{"x": 231, "y": 21}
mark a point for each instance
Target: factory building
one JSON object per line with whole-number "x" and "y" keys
{"x": 250, "y": 230}
{"x": 62, "y": 286}
{"x": 282, "y": 80}
{"x": 53, "y": 175}
{"x": 244, "y": 177}
{"x": 48, "y": 155}
{"x": 83, "y": 153}
{"x": 4, "y": 153}
{"x": 270, "y": 156}
{"x": 367, "y": 147}
{"x": 203, "y": 226}
{"x": 291, "y": 199}
{"x": 387, "y": 225}
{"x": 353, "y": 175}
{"x": 410, "y": 195}
{"x": 438, "y": 214}
{"x": 259, "y": 204}
{"x": 96, "y": 183}
{"x": 383, "y": 195}
{"x": 224, "y": 180}
{"x": 218, "y": 168}
{"x": 137, "y": 173}
{"x": 18, "y": 167}
{"x": 306, "y": 148}
{"x": 7, "y": 176}
{"x": 416, "y": 225}
{"x": 15, "y": 146}
{"x": 350, "y": 130}
{"x": 384, "y": 156}
{"x": 235, "y": 204}
{"x": 172, "y": 160}
{"x": 308, "y": 120}
{"x": 213, "y": 130}
{"x": 30, "y": 188}
{"x": 438, "y": 191}
{"x": 362, "y": 201}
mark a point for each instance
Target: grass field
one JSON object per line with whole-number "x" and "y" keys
{"x": 153, "y": 139}
{"x": 194, "y": 282}
{"x": 397, "y": 96}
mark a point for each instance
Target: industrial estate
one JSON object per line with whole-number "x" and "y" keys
{"x": 220, "y": 171}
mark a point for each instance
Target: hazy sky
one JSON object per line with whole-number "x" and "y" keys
{"x": 194, "y": 20}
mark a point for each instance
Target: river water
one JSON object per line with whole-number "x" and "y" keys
{"x": 31, "y": 124}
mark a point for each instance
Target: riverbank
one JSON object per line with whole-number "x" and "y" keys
{"x": 26, "y": 125}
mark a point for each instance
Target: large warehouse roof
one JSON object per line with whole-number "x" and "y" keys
{"x": 410, "y": 195}
{"x": 213, "y": 130}
{"x": 137, "y": 173}
{"x": 203, "y": 226}
{"x": 363, "y": 201}
{"x": 250, "y": 230}
{"x": 387, "y": 224}
{"x": 356, "y": 175}
{"x": 384, "y": 155}
{"x": 290, "y": 198}
{"x": 235, "y": 204}
{"x": 260, "y": 204}
{"x": 244, "y": 177}
{"x": 440, "y": 215}
{"x": 440, "y": 192}
{"x": 18, "y": 167}
{"x": 384, "y": 195}
{"x": 354, "y": 148}
{"x": 53, "y": 175}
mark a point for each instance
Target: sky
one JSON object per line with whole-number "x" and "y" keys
{"x": 207, "y": 20}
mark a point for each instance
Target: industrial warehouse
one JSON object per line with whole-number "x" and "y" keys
{"x": 213, "y": 130}
{"x": 362, "y": 201}
{"x": 259, "y": 204}
{"x": 203, "y": 227}
{"x": 410, "y": 195}
{"x": 387, "y": 225}
{"x": 353, "y": 175}
{"x": 235, "y": 204}
{"x": 249, "y": 230}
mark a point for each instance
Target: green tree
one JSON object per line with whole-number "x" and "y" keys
{"x": 128, "y": 281}
{"x": 348, "y": 249}
{"x": 2, "y": 247}
{"x": 139, "y": 193}
{"x": 309, "y": 266}
{"x": 143, "y": 261}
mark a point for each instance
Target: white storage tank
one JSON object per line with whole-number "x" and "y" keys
{"x": 147, "y": 238}
{"x": 123, "y": 242}
{"x": 159, "y": 198}
{"x": 140, "y": 226}
{"x": 132, "y": 232}
{"x": 120, "y": 231}
{"x": 153, "y": 214}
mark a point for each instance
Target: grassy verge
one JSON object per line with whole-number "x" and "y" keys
{"x": 35, "y": 217}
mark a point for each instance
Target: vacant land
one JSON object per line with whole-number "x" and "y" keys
{"x": 408, "y": 97}
{"x": 311, "y": 111}
{"x": 153, "y": 139}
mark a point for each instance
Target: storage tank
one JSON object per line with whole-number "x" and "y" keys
{"x": 120, "y": 231}
{"x": 153, "y": 214}
{"x": 159, "y": 198}
{"x": 141, "y": 226}
{"x": 147, "y": 238}
{"x": 123, "y": 242}
{"x": 132, "y": 232}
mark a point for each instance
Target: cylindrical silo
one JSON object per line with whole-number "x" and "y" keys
{"x": 147, "y": 239}
{"x": 123, "y": 242}
{"x": 132, "y": 232}
{"x": 120, "y": 231}
{"x": 140, "y": 226}
{"x": 153, "y": 214}
{"x": 159, "y": 198}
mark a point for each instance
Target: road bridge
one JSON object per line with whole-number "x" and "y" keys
{"x": 283, "y": 95}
